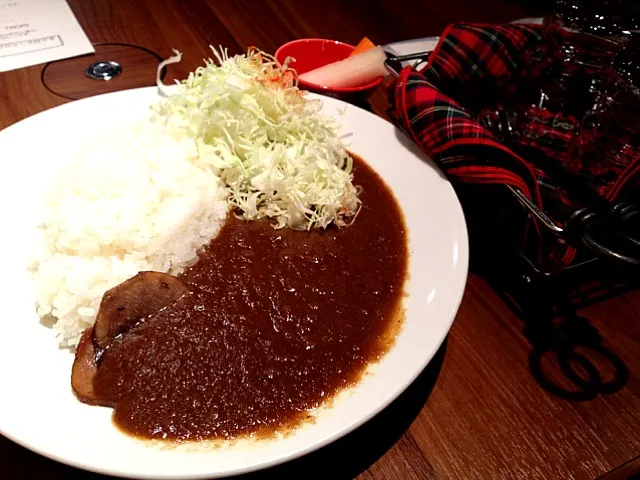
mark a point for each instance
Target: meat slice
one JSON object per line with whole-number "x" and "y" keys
{"x": 83, "y": 370}
{"x": 134, "y": 299}
{"x": 121, "y": 308}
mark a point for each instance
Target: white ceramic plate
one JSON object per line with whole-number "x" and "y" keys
{"x": 37, "y": 407}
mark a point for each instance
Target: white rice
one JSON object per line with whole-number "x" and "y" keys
{"x": 133, "y": 201}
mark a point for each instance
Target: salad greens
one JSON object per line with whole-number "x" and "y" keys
{"x": 278, "y": 156}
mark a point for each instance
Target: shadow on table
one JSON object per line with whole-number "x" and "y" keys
{"x": 579, "y": 366}
{"x": 569, "y": 357}
{"x": 344, "y": 459}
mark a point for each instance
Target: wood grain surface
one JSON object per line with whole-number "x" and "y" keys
{"x": 476, "y": 412}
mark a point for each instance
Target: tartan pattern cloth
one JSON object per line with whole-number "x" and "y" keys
{"x": 483, "y": 57}
{"x": 475, "y": 65}
{"x": 462, "y": 147}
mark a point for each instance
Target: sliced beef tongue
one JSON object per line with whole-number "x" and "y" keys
{"x": 126, "y": 304}
{"x": 121, "y": 308}
{"x": 83, "y": 370}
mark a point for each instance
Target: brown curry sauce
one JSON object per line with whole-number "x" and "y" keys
{"x": 279, "y": 322}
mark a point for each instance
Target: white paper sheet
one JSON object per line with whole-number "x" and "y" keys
{"x": 38, "y": 31}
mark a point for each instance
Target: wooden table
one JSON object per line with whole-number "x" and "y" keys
{"x": 485, "y": 417}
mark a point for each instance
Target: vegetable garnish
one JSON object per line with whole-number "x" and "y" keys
{"x": 278, "y": 156}
{"x": 364, "y": 45}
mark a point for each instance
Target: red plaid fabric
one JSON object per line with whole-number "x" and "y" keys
{"x": 483, "y": 57}
{"x": 475, "y": 65}
{"x": 463, "y": 148}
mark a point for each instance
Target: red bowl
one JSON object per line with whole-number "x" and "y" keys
{"x": 312, "y": 53}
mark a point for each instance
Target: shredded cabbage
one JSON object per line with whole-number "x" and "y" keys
{"x": 278, "y": 156}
